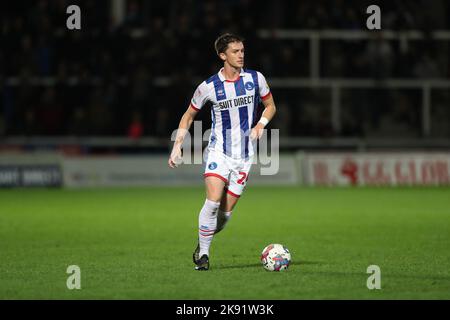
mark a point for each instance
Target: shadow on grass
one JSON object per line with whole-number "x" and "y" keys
{"x": 258, "y": 265}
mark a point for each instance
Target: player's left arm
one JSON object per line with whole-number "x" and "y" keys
{"x": 267, "y": 115}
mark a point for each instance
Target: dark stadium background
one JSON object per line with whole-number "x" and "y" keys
{"x": 144, "y": 67}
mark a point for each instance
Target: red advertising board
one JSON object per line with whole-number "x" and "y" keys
{"x": 375, "y": 169}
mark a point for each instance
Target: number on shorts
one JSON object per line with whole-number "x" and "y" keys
{"x": 243, "y": 178}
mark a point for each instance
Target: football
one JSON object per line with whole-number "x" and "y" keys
{"x": 275, "y": 257}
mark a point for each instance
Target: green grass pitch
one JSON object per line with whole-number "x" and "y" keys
{"x": 137, "y": 243}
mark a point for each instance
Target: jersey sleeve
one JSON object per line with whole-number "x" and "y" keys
{"x": 200, "y": 96}
{"x": 264, "y": 90}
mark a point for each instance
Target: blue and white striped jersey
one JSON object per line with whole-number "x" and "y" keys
{"x": 233, "y": 110}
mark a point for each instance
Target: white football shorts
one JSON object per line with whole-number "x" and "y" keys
{"x": 234, "y": 172}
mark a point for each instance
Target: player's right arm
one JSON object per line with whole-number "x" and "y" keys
{"x": 198, "y": 100}
{"x": 183, "y": 129}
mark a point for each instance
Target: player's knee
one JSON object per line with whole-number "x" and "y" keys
{"x": 214, "y": 195}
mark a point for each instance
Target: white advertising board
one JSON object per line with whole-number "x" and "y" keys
{"x": 153, "y": 171}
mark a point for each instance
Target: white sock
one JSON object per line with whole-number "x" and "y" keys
{"x": 222, "y": 219}
{"x": 207, "y": 223}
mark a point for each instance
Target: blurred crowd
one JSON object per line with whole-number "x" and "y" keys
{"x": 136, "y": 76}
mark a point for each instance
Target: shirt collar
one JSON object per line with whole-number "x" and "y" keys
{"x": 222, "y": 78}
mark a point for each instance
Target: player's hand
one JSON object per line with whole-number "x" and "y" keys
{"x": 257, "y": 132}
{"x": 175, "y": 157}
